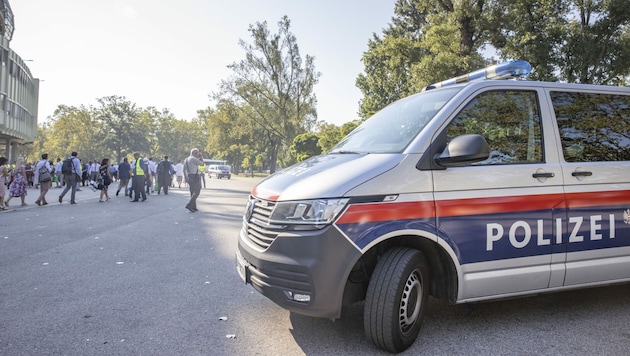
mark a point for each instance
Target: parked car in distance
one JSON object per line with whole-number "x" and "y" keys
{"x": 219, "y": 171}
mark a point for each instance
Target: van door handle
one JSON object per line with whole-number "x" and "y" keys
{"x": 543, "y": 175}
{"x": 582, "y": 174}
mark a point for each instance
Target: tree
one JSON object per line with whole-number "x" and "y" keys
{"x": 33, "y": 152}
{"x": 229, "y": 133}
{"x": 172, "y": 136}
{"x": 533, "y": 30}
{"x": 273, "y": 87}
{"x": 329, "y": 134}
{"x": 74, "y": 129}
{"x": 305, "y": 146}
{"x": 433, "y": 40}
{"x": 597, "y": 49}
{"x": 387, "y": 63}
{"x": 575, "y": 41}
{"x": 122, "y": 130}
{"x": 428, "y": 41}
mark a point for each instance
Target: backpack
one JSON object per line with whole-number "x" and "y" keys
{"x": 161, "y": 168}
{"x": 44, "y": 174}
{"x": 66, "y": 167}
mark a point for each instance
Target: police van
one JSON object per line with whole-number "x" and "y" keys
{"x": 476, "y": 188}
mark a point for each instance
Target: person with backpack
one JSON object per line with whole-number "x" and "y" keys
{"x": 43, "y": 178}
{"x": 71, "y": 169}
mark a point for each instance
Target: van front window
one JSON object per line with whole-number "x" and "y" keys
{"x": 392, "y": 129}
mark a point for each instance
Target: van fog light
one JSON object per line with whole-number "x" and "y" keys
{"x": 298, "y": 297}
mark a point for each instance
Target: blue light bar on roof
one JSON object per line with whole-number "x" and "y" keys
{"x": 505, "y": 70}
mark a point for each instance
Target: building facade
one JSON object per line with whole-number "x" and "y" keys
{"x": 19, "y": 92}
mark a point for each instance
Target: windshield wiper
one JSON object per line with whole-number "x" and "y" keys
{"x": 346, "y": 152}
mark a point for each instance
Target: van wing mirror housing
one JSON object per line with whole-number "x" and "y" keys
{"x": 464, "y": 150}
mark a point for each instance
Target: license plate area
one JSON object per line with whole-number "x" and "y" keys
{"x": 242, "y": 267}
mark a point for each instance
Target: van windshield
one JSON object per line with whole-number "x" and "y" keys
{"x": 392, "y": 129}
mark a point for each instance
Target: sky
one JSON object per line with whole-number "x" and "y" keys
{"x": 173, "y": 53}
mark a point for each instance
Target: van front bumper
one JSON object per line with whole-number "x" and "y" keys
{"x": 304, "y": 272}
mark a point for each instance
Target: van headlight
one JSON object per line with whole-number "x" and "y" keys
{"x": 310, "y": 214}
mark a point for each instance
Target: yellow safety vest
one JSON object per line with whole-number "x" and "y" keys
{"x": 139, "y": 170}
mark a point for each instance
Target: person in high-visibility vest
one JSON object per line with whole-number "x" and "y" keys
{"x": 202, "y": 170}
{"x": 137, "y": 181}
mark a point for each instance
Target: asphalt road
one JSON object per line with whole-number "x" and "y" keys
{"x": 151, "y": 278}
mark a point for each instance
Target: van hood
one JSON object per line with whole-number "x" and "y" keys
{"x": 325, "y": 176}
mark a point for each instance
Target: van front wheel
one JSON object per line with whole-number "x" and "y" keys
{"x": 396, "y": 299}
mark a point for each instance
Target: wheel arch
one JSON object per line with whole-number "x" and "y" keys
{"x": 444, "y": 274}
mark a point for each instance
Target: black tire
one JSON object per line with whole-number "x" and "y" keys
{"x": 396, "y": 299}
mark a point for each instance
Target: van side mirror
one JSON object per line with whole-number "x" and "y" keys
{"x": 463, "y": 150}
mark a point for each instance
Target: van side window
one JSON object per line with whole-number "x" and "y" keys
{"x": 593, "y": 127}
{"x": 509, "y": 120}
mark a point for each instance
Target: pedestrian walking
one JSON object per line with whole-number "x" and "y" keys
{"x": 179, "y": 173}
{"x": 43, "y": 177}
{"x": 18, "y": 187}
{"x": 137, "y": 179}
{"x": 164, "y": 174}
{"x": 4, "y": 173}
{"x": 193, "y": 177}
{"x": 58, "y": 174}
{"x": 105, "y": 179}
{"x": 71, "y": 169}
{"x": 124, "y": 173}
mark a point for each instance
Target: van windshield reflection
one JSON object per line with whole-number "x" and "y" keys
{"x": 394, "y": 127}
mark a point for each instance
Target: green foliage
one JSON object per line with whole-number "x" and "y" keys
{"x": 73, "y": 129}
{"x": 329, "y": 135}
{"x": 305, "y": 146}
{"x": 428, "y": 41}
{"x": 433, "y": 40}
{"x": 597, "y": 48}
{"x": 123, "y": 129}
{"x": 388, "y": 63}
{"x": 271, "y": 88}
{"x": 530, "y": 30}
{"x": 115, "y": 129}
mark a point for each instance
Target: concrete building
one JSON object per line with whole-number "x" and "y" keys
{"x": 19, "y": 92}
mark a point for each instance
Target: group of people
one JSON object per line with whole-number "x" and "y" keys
{"x": 17, "y": 179}
{"x": 142, "y": 173}
{"x": 137, "y": 179}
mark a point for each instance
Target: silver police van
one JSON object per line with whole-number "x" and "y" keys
{"x": 477, "y": 188}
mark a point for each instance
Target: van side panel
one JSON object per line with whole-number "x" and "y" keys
{"x": 594, "y": 139}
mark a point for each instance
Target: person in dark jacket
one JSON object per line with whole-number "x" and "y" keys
{"x": 164, "y": 173}
{"x": 124, "y": 173}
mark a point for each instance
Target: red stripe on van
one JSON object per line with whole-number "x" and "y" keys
{"x": 392, "y": 211}
{"x": 582, "y": 200}
{"x": 387, "y": 211}
{"x": 495, "y": 205}
{"x": 265, "y": 194}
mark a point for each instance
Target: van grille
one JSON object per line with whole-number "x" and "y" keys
{"x": 259, "y": 229}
